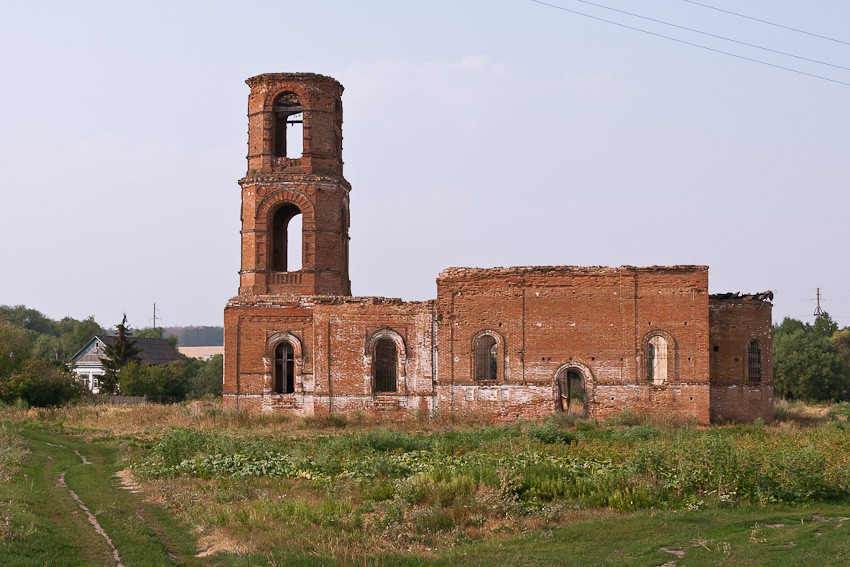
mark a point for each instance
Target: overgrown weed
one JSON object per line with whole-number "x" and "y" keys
{"x": 356, "y": 485}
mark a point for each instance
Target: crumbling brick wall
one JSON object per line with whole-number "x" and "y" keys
{"x": 506, "y": 343}
{"x": 736, "y": 321}
{"x": 313, "y": 183}
{"x": 596, "y": 320}
{"x": 334, "y": 339}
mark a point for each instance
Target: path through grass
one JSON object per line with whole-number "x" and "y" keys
{"x": 48, "y": 526}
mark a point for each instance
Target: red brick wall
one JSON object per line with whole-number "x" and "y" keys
{"x": 735, "y": 321}
{"x": 336, "y": 370}
{"x": 313, "y": 183}
{"x": 595, "y": 318}
{"x": 320, "y": 96}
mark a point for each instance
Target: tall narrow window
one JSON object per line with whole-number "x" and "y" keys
{"x": 754, "y": 361}
{"x": 656, "y": 359}
{"x": 486, "y": 358}
{"x": 284, "y": 369}
{"x": 288, "y": 126}
{"x": 287, "y": 233}
{"x": 570, "y": 383}
{"x": 386, "y": 366}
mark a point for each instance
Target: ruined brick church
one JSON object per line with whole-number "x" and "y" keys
{"x": 507, "y": 343}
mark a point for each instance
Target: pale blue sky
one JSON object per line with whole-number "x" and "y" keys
{"x": 477, "y": 133}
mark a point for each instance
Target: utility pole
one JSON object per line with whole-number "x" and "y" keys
{"x": 818, "y": 310}
{"x": 154, "y": 315}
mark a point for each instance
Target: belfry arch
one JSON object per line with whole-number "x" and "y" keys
{"x": 286, "y": 185}
{"x": 288, "y": 126}
{"x": 286, "y": 238}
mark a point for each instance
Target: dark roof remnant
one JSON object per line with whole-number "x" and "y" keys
{"x": 762, "y": 296}
{"x": 152, "y": 352}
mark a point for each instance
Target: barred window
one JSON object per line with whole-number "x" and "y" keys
{"x": 284, "y": 369}
{"x": 754, "y": 361}
{"x": 486, "y": 358}
{"x": 386, "y": 366}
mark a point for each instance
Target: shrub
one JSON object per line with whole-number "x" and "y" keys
{"x": 41, "y": 384}
{"x": 164, "y": 383}
{"x": 550, "y": 432}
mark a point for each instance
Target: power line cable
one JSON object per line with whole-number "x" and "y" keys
{"x": 714, "y": 35}
{"x": 767, "y": 22}
{"x": 677, "y": 40}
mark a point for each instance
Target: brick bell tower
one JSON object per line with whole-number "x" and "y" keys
{"x": 294, "y": 174}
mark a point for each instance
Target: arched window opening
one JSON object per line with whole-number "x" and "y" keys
{"x": 656, "y": 359}
{"x": 288, "y": 126}
{"x": 294, "y": 243}
{"x": 287, "y": 233}
{"x": 570, "y": 385}
{"x": 284, "y": 369}
{"x": 754, "y": 361}
{"x": 486, "y": 358}
{"x": 386, "y": 366}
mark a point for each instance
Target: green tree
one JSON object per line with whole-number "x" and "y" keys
{"x": 162, "y": 383}
{"x": 206, "y": 382}
{"x": 48, "y": 348}
{"x": 824, "y": 326}
{"x": 15, "y": 346}
{"x": 841, "y": 338}
{"x": 119, "y": 352}
{"x": 41, "y": 384}
{"x": 26, "y": 318}
{"x": 806, "y": 361}
{"x": 155, "y": 333}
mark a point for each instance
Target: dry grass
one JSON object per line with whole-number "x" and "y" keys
{"x": 146, "y": 420}
{"x": 796, "y": 413}
{"x": 12, "y": 450}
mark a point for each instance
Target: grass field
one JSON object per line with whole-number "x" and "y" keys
{"x": 199, "y": 485}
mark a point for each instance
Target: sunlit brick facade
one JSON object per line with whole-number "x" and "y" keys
{"x": 507, "y": 343}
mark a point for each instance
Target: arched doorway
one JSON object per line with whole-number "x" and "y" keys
{"x": 570, "y": 395}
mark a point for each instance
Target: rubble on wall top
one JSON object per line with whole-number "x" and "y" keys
{"x": 762, "y": 296}
{"x": 307, "y": 301}
{"x": 273, "y": 77}
{"x": 451, "y": 273}
{"x": 365, "y": 300}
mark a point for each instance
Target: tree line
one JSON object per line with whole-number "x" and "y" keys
{"x": 35, "y": 351}
{"x": 811, "y": 362}
{"x": 196, "y": 336}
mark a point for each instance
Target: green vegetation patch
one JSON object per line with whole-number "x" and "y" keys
{"x": 622, "y": 468}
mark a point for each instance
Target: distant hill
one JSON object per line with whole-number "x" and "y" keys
{"x": 196, "y": 336}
